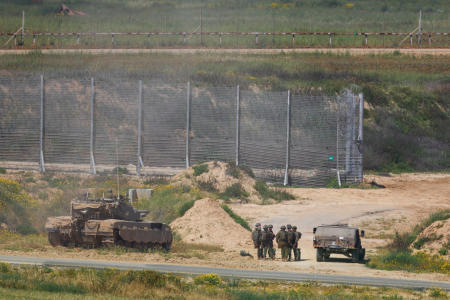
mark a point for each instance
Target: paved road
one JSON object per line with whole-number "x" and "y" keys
{"x": 352, "y": 51}
{"x": 237, "y": 273}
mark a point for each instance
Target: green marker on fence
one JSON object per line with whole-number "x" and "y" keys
{"x": 331, "y": 158}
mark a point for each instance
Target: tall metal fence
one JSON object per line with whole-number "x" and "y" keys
{"x": 96, "y": 125}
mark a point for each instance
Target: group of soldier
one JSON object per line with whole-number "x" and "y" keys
{"x": 287, "y": 241}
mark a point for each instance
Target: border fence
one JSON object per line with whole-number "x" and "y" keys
{"x": 157, "y": 128}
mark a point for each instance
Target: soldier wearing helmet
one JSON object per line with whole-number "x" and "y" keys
{"x": 282, "y": 241}
{"x": 291, "y": 240}
{"x": 265, "y": 240}
{"x": 257, "y": 240}
{"x": 271, "y": 248}
{"x": 298, "y": 236}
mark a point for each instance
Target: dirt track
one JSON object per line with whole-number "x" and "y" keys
{"x": 351, "y": 51}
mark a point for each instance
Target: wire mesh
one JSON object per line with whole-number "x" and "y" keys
{"x": 66, "y": 126}
{"x": 325, "y": 134}
{"x": 19, "y": 119}
{"x": 263, "y": 133}
{"x": 164, "y": 124}
{"x": 213, "y": 126}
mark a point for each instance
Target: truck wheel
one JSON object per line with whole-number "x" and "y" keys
{"x": 54, "y": 238}
{"x": 319, "y": 254}
{"x": 355, "y": 255}
{"x": 362, "y": 253}
{"x": 326, "y": 256}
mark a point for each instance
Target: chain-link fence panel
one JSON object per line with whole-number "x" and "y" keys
{"x": 313, "y": 140}
{"x": 67, "y": 121}
{"x": 213, "y": 124}
{"x": 263, "y": 132}
{"x": 116, "y": 115}
{"x": 19, "y": 119}
{"x": 164, "y": 124}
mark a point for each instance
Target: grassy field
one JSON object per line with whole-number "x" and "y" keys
{"x": 398, "y": 255}
{"x": 51, "y": 283}
{"x": 226, "y": 16}
{"x": 407, "y": 111}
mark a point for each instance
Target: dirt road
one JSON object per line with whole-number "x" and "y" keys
{"x": 351, "y": 51}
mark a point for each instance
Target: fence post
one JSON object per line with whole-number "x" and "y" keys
{"x": 15, "y": 40}
{"x": 238, "y": 123}
{"x": 331, "y": 42}
{"x": 112, "y": 39}
{"x": 360, "y": 134}
{"x": 411, "y": 39}
{"x": 256, "y": 39}
{"x": 34, "y": 39}
{"x": 188, "y": 123}
{"x": 92, "y": 131}
{"x": 349, "y": 126}
{"x": 41, "y": 129}
{"x": 338, "y": 113}
{"x": 140, "y": 163}
{"x": 293, "y": 40}
{"x": 78, "y": 39}
{"x": 23, "y": 29}
{"x": 366, "y": 39}
{"x": 288, "y": 138}
{"x": 220, "y": 40}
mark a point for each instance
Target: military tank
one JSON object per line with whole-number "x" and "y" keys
{"x": 107, "y": 221}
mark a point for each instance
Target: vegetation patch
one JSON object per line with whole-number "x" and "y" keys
{"x": 267, "y": 193}
{"x": 234, "y": 191}
{"x": 3, "y": 171}
{"x": 233, "y": 170}
{"x": 238, "y": 219}
{"x": 24, "y": 282}
{"x": 200, "y": 169}
{"x": 397, "y": 255}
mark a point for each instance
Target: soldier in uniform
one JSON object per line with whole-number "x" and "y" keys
{"x": 271, "y": 248}
{"x": 282, "y": 241}
{"x": 291, "y": 240}
{"x": 265, "y": 237}
{"x": 298, "y": 236}
{"x": 257, "y": 239}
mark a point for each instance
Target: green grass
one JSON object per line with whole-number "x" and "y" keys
{"x": 200, "y": 169}
{"x": 223, "y": 15}
{"x": 25, "y": 282}
{"x": 235, "y": 191}
{"x": 238, "y": 219}
{"x": 268, "y": 193}
{"x": 397, "y": 255}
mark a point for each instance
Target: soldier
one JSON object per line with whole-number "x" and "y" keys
{"x": 256, "y": 237}
{"x": 271, "y": 248}
{"x": 282, "y": 241}
{"x": 291, "y": 240}
{"x": 265, "y": 237}
{"x": 298, "y": 236}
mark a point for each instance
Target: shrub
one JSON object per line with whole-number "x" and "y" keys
{"x": 238, "y": 219}
{"x": 247, "y": 170}
{"x": 443, "y": 251}
{"x": 266, "y": 193}
{"x": 209, "y": 279}
{"x": 436, "y": 292}
{"x": 207, "y": 186}
{"x": 234, "y": 191}
{"x": 200, "y": 169}
{"x": 233, "y": 170}
{"x": 120, "y": 170}
{"x": 185, "y": 207}
{"x": 2, "y": 171}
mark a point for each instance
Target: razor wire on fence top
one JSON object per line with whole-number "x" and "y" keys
{"x": 154, "y": 127}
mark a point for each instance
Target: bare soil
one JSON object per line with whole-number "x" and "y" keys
{"x": 406, "y": 199}
{"x": 437, "y": 236}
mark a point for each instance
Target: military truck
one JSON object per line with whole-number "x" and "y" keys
{"x": 339, "y": 239}
{"x": 107, "y": 221}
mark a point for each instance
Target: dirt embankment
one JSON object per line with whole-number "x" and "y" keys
{"x": 435, "y": 239}
{"x": 207, "y": 223}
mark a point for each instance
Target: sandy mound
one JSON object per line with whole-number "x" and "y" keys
{"x": 207, "y": 223}
{"x": 219, "y": 176}
{"x": 437, "y": 236}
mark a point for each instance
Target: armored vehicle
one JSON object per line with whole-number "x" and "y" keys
{"x": 340, "y": 239}
{"x": 103, "y": 222}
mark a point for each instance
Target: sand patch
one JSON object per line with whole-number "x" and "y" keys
{"x": 207, "y": 223}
